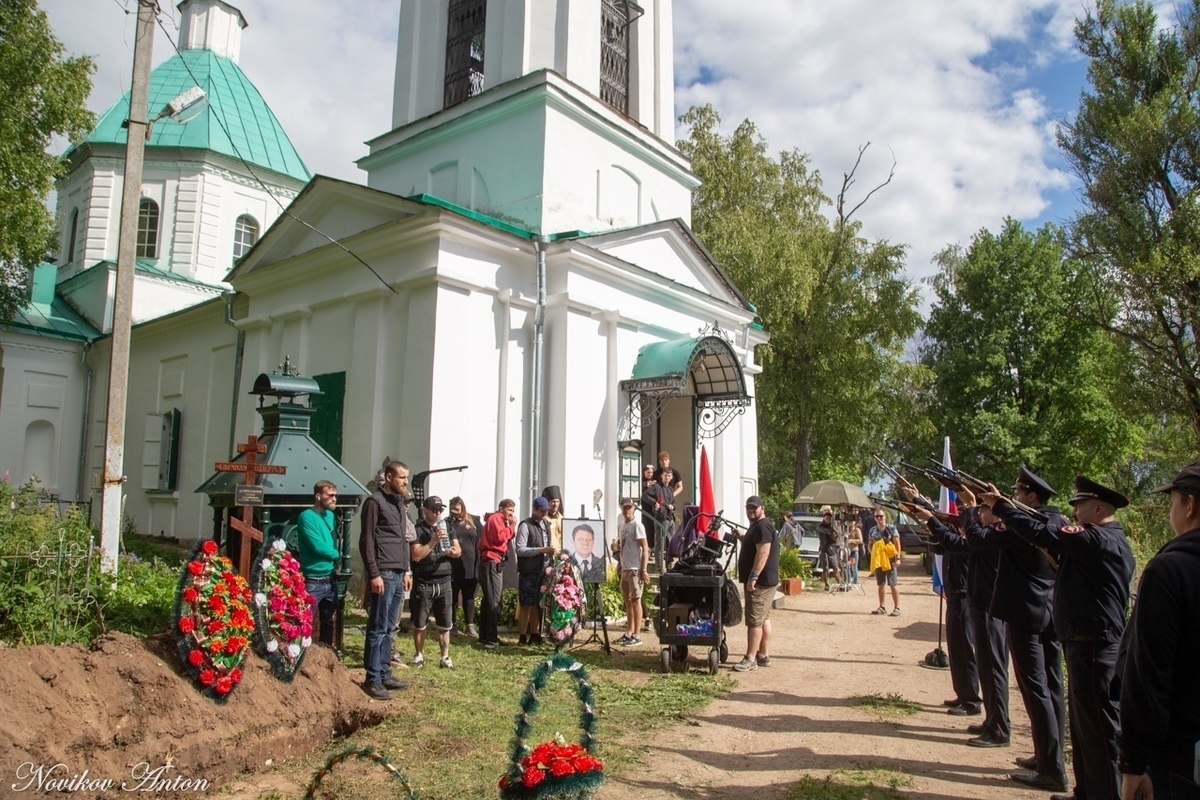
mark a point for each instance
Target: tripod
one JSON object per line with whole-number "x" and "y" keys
{"x": 599, "y": 633}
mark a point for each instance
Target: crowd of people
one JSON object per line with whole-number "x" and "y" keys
{"x": 1021, "y": 582}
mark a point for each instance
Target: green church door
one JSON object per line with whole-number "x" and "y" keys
{"x": 328, "y": 411}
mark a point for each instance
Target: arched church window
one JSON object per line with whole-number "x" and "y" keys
{"x": 147, "y": 237}
{"x": 465, "y": 28}
{"x": 615, "y": 16}
{"x": 245, "y": 234}
{"x": 73, "y": 235}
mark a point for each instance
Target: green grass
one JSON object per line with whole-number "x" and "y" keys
{"x": 453, "y": 733}
{"x": 887, "y": 707}
{"x": 856, "y": 785}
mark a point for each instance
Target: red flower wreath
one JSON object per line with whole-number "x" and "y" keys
{"x": 213, "y": 623}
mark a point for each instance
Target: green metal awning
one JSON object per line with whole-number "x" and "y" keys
{"x": 705, "y": 368}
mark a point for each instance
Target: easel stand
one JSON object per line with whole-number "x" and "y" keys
{"x": 599, "y": 621}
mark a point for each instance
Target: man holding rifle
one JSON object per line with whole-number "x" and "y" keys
{"x": 1024, "y": 583}
{"x": 1091, "y": 594}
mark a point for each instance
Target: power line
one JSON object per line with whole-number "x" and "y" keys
{"x": 253, "y": 174}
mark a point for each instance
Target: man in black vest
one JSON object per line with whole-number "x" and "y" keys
{"x": 385, "y": 555}
{"x": 1160, "y": 707}
{"x": 1024, "y": 583}
{"x": 533, "y": 553}
{"x": 1091, "y": 594}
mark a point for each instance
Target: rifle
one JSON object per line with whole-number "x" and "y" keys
{"x": 977, "y": 487}
{"x": 908, "y": 507}
{"x": 940, "y": 478}
{"x": 891, "y": 471}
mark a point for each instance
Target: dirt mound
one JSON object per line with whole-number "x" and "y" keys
{"x": 127, "y": 702}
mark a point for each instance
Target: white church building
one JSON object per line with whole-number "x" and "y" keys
{"x": 515, "y": 287}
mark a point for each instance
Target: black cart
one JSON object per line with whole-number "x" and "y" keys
{"x": 700, "y": 590}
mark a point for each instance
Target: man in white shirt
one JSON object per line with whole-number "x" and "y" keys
{"x": 633, "y": 551}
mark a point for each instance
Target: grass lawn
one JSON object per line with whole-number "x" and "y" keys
{"x": 453, "y": 733}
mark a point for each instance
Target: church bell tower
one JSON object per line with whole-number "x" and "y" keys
{"x": 554, "y": 115}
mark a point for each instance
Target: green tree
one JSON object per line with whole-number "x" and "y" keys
{"x": 1018, "y": 378}
{"x": 1135, "y": 145}
{"x": 43, "y": 95}
{"x": 837, "y": 306}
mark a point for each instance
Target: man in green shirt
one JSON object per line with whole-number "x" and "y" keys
{"x": 318, "y": 554}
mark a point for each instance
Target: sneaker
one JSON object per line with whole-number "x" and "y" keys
{"x": 472, "y": 631}
{"x": 394, "y": 683}
{"x": 490, "y": 645}
{"x": 634, "y": 642}
{"x": 376, "y": 691}
{"x": 623, "y": 641}
{"x": 745, "y": 665}
{"x": 895, "y": 612}
{"x": 879, "y": 611}
{"x": 447, "y": 663}
{"x": 419, "y": 660}
{"x": 763, "y": 661}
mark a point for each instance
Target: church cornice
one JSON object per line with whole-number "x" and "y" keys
{"x": 533, "y": 90}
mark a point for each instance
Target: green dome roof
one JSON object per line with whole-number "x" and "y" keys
{"x": 256, "y": 134}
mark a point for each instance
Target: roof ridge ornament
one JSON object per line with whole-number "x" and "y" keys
{"x": 715, "y": 330}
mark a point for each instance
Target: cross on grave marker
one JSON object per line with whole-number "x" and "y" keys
{"x": 245, "y": 526}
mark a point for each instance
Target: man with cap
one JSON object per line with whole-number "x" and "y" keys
{"x": 1159, "y": 742}
{"x": 1024, "y": 583}
{"x": 432, "y": 590}
{"x": 554, "y": 517}
{"x": 633, "y": 558}
{"x": 758, "y": 570}
{"x": 827, "y": 537}
{"x": 1091, "y": 594}
{"x": 533, "y": 553}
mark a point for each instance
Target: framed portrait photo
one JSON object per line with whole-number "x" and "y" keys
{"x": 585, "y": 541}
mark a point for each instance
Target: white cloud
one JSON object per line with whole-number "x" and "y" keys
{"x": 931, "y": 84}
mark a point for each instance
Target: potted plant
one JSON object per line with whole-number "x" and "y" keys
{"x": 792, "y": 571}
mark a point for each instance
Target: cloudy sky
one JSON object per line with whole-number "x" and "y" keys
{"x": 963, "y": 95}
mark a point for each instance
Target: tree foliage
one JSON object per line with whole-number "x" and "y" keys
{"x": 43, "y": 95}
{"x": 837, "y": 306}
{"x": 1135, "y": 145}
{"x": 1018, "y": 378}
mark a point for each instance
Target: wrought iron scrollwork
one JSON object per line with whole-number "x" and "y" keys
{"x": 714, "y": 416}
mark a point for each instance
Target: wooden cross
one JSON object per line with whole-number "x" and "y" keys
{"x": 248, "y": 535}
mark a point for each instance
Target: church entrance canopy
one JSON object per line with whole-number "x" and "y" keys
{"x": 704, "y": 368}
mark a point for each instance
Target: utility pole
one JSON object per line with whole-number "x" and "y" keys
{"x": 118, "y": 371}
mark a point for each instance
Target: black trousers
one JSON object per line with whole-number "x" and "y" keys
{"x": 462, "y": 590}
{"x": 991, "y": 658}
{"x": 1090, "y": 670}
{"x": 1037, "y": 662}
{"x": 491, "y": 579}
{"x": 960, "y": 647}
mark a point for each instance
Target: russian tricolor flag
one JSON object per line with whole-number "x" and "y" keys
{"x": 947, "y": 503}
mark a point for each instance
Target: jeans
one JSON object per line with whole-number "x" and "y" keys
{"x": 383, "y": 613}
{"x": 325, "y": 602}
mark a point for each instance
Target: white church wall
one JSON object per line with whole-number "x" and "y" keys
{"x": 41, "y": 410}
{"x": 661, "y": 255}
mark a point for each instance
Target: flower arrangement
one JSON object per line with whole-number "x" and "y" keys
{"x": 554, "y": 770}
{"x": 283, "y": 609}
{"x": 212, "y": 620}
{"x": 563, "y": 600}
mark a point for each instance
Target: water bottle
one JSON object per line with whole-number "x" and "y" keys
{"x": 442, "y": 545}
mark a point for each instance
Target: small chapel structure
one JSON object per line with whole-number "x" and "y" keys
{"x": 515, "y": 288}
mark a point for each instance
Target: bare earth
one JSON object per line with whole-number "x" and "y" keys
{"x": 795, "y": 718}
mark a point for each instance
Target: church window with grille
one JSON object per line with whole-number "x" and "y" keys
{"x": 245, "y": 234}
{"x": 614, "y": 53}
{"x": 464, "y": 50}
{"x": 74, "y": 236}
{"x": 147, "y": 235}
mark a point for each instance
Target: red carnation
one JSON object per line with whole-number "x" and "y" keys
{"x": 532, "y": 777}
{"x": 214, "y": 626}
{"x": 224, "y": 685}
{"x": 190, "y": 595}
{"x": 186, "y": 625}
{"x": 196, "y": 658}
{"x": 560, "y": 767}
{"x": 235, "y": 674}
{"x": 195, "y": 567}
{"x": 215, "y": 646}
{"x": 503, "y": 781}
{"x": 208, "y": 677}
{"x": 209, "y": 548}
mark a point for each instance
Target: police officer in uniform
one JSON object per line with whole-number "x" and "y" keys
{"x": 1091, "y": 594}
{"x": 1160, "y": 706}
{"x": 1024, "y": 583}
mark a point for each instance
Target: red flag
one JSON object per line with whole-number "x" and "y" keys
{"x": 708, "y": 503}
